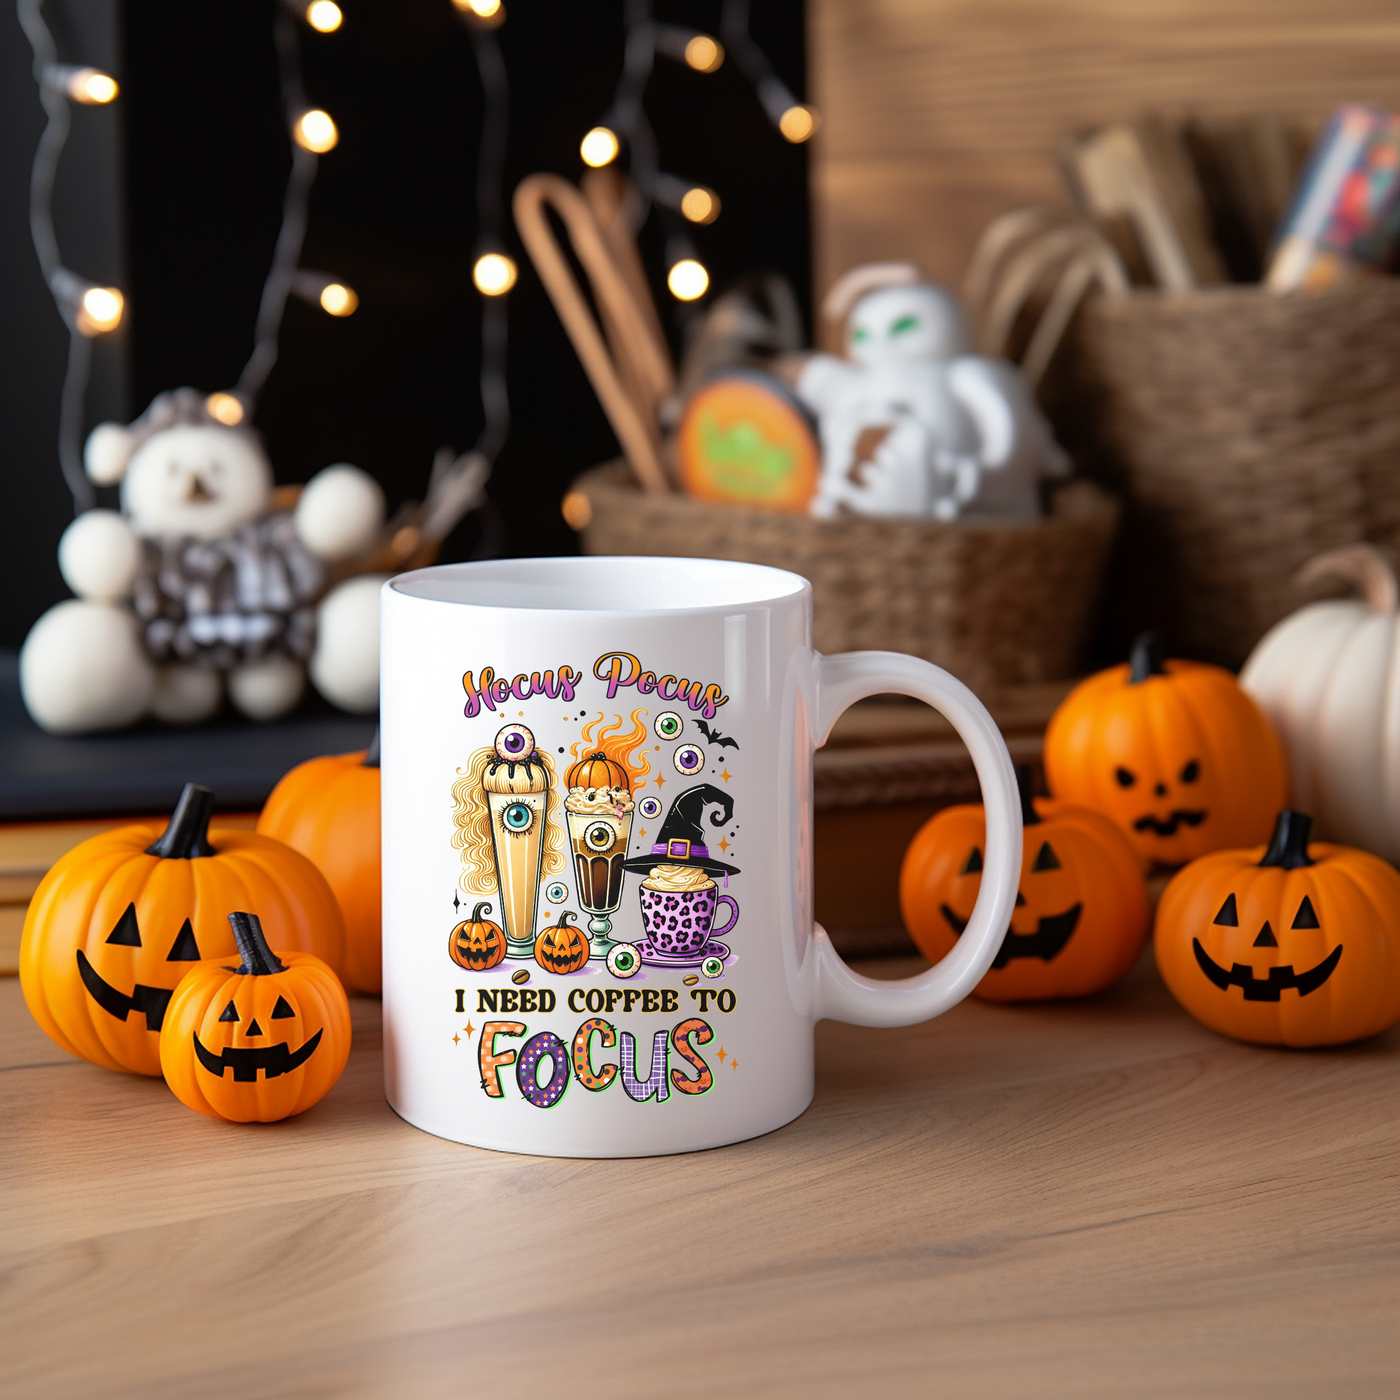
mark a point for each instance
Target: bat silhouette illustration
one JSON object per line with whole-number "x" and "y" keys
{"x": 722, "y": 741}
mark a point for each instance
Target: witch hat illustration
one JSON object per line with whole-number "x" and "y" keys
{"x": 681, "y": 840}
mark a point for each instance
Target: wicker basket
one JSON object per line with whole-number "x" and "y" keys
{"x": 1246, "y": 433}
{"x": 996, "y": 603}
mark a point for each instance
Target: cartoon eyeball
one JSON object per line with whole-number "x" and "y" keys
{"x": 650, "y": 807}
{"x": 623, "y": 961}
{"x": 668, "y": 725}
{"x": 689, "y": 759}
{"x": 598, "y": 836}
{"x": 518, "y": 818}
{"x": 515, "y": 743}
{"x": 556, "y": 892}
{"x": 712, "y": 967}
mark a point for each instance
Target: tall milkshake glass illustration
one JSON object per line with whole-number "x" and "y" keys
{"x": 516, "y": 782}
{"x": 598, "y": 808}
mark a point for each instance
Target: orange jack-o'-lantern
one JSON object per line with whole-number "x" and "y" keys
{"x": 1294, "y": 945}
{"x": 1174, "y": 751}
{"x": 476, "y": 943}
{"x": 562, "y": 948}
{"x": 117, "y": 922}
{"x": 258, "y": 1040}
{"x": 1081, "y": 915}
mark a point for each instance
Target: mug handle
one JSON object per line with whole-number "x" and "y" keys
{"x": 843, "y": 995}
{"x": 733, "y": 918}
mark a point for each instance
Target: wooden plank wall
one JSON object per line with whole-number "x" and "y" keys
{"x": 940, "y": 114}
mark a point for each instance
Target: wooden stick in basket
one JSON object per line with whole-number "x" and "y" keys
{"x": 633, "y": 423}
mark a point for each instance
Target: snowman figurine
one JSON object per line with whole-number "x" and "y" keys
{"x": 911, "y": 422}
{"x": 198, "y": 587}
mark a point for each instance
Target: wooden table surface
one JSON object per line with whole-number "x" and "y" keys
{"x": 1082, "y": 1200}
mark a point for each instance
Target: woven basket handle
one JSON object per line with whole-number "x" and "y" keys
{"x": 843, "y": 995}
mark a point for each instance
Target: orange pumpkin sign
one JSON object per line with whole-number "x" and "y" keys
{"x": 119, "y": 920}
{"x": 1174, "y": 751}
{"x": 257, "y": 1041}
{"x": 562, "y": 948}
{"x": 328, "y": 809}
{"x": 1296, "y": 944}
{"x": 1081, "y": 914}
{"x": 743, "y": 437}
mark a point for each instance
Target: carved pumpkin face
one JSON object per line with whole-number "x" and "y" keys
{"x": 598, "y": 771}
{"x": 1081, "y": 915}
{"x": 259, "y": 1040}
{"x": 476, "y": 943}
{"x": 121, "y": 918}
{"x": 1174, "y": 751}
{"x": 1294, "y": 945}
{"x": 563, "y": 948}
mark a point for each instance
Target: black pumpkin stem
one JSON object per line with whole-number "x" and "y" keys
{"x": 371, "y": 759}
{"x": 1146, "y": 658}
{"x": 564, "y": 921}
{"x": 1024, "y": 784}
{"x": 1289, "y": 847}
{"x": 258, "y": 959}
{"x": 478, "y": 913}
{"x": 187, "y": 836}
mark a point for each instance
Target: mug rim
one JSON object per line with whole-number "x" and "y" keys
{"x": 568, "y": 575}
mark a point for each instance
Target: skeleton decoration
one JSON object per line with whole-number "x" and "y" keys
{"x": 911, "y": 422}
{"x": 198, "y": 585}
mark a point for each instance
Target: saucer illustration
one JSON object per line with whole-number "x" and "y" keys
{"x": 655, "y": 957}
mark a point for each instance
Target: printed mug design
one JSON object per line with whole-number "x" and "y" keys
{"x": 681, "y": 922}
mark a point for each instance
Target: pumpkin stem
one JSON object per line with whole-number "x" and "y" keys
{"x": 564, "y": 920}
{"x": 371, "y": 759}
{"x": 1029, "y": 816}
{"x": 1146, "y": 658}
{"x": 258, "y": 959}
{"x": 479, "y": 912}
{"x": 187, "y": 836}
{"x": 1289, "y": 847}
{"x": 1364, "y": 567}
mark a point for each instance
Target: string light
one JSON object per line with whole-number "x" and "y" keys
{"x": 490, "y": 12}
{"x": 704, "y": 54}
{"x": 494, "y": 274}
{"x": 688, "y": 279}
{"x": 599, "y": 147}
{"x": 700, "y": 205}
{"x": 797, "y": 123}
{"x": 338, "y": 300}
{"x": 100, "y": 309}
{"x": 226, "y": 408}
{"x": 324, "y": 16}
{"x": 90, "y": 86}
{"x": 316, "y": 132}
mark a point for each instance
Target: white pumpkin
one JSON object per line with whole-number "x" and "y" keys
{"x": 1328, "y": 677}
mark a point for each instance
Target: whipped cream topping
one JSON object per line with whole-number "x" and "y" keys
{"x": 675, "y": 879}
{"x": 590, "y": 801}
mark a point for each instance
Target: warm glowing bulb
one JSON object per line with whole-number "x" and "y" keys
{"x": 226, "y": 408}
{"x": 324, "y": 16}
{"x": 704, "y": 54}
{"x": 316, "y": 131}
{"x": 687, "y": 280}
{"x": 100, "y": 309}
{"x": 494, "y": 274}
{"x": 482, "y": 9}
{"x": 699, "y": 205}
{"x": 798, "y": 123}
{"x": 599, "y": 147}
{"x": 91, "y": 87}
{"x": 338, "y": 299}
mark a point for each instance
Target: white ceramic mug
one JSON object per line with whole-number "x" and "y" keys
{"x": 555, "y": 726}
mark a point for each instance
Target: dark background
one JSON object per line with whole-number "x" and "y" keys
{"x": 174, "y": 194}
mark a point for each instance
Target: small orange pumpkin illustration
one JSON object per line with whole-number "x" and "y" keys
{"x": 597, "y": 770}
{"x": 476, "y": 943}
{"x": 1081, "y": 915}
{"x": 562, "y": 948}
{"x": 279, "y": 1022}
{"x": 1294, "y": 945}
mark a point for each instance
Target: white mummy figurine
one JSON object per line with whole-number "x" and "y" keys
{"x": 911, "y": 422}
{"x": 197, "y": 585}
